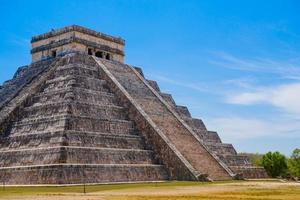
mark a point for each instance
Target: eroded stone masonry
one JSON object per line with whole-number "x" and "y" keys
{"x": 78, "y": 114}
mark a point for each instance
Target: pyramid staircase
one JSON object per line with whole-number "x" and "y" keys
{"x": 175, "y": 139}
{"x": 239, "y": 164}
{"x": 81, "y": 119}
{"x": 71, "y": 130}
{"x": 203, "y": 149}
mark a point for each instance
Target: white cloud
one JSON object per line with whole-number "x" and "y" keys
{"x": 232, "y": 125}
{"x": 285, "y": 97}
{"x": 243, "y": 91}
{"x": 238, "y": 128}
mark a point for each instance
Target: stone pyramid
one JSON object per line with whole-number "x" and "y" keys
{"x": 78, "y": 114}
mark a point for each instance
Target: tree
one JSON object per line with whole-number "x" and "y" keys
{"x": 294, "y": 164}
{"x": 275, "y": 164}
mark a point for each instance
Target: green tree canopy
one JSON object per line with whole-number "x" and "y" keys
{"x": 294, "y": 163}
{"x": 275, "y": 164}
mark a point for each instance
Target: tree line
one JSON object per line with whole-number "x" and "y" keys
{"x": 278, "y": 165}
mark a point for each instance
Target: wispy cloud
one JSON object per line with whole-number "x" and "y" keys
{"x": 214, "y": 87}
{"x": 285, "y": 97}
{"x": 240, "y": 83}
{"x": 200, "y": 87}
{"x": 239, "y": 128}
{"x": 288, "y": 69}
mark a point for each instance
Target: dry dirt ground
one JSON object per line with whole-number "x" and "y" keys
{"x": 250, "y": 190}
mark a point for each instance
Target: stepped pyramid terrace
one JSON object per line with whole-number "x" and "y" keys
{"x": 79, "y": 114}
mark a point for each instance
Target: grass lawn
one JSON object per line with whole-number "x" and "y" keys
{"x": 228, "y": 190}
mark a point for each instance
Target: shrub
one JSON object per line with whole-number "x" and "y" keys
{"x": 275, "y": 164}
{"x": 294, "y": 164}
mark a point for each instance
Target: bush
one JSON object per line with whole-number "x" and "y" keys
{"x": 275, "y": 164}
{"x": 294, "y": 164}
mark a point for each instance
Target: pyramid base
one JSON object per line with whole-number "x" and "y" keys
{"x": 250, "y": 172}
{"x": 81, "y": 174}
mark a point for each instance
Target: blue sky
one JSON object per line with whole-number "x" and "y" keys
{"x": 235, "y": 64}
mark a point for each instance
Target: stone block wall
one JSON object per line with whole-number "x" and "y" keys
{"x": 69, "y": 127}
{"x": 191, "y": 149}
{"x": 211, "y": 139}
{"x": 76, "y": 39}
{"x": 71, "y": 118}
{"x": 22, "y": 77}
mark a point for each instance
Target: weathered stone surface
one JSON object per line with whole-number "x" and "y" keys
{"x": 75, "y": 38}
{"x": 22, "y": 77}
{"x": 73, "y": 118}
{"x": 191, "y": 149}
{"x": 251, "y": 172}
{"x": 224, "y": 152}
{"x": 75, "y": 173}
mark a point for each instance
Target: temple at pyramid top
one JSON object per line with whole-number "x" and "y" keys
{"x": 75, "y": 38}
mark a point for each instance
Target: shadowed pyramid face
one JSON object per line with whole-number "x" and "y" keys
{"x": 78, "y": 118}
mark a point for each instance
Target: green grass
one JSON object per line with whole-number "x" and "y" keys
{"x": 12, "y": 190}
{"x": 249, "y": 193}
{"x": 28, "y": 190}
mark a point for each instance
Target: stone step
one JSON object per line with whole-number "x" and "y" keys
{"x": 208, "y": 136}
{"x": 37, "y": 126}
{"x": 75, "y": 174}
{"x": 92, "y": 96}
{"x": 184, "y": 112}
{"x": 40, "y": 119}
{"x": 221, "y": 148}
{"x": 76, "y": 81}
{"x": 212, "y": 136}
{"x": 71, "y": 122}
{"x": 113, "y": 126}
{"x": 250, "y": 172}
{"x": 22, "y": 77}
{"x": 167, "y": 126}
{"x": 78, "y": 155}
{"x": 153, "y": 84}
{"x": 85, "y": 66}
{"x": 77, "y": 69}
{"x": 72, "y": 138}
{"x": 195, "y": 124}
{"x": 236, "y": 160}
{"x": 168, "y": 98}
{"x": 109, "y": 156}
{"x": 48, "y": 109}
{"x": 76, "y": 108}
{"x": 79, "y": 59}
{"x": 108, "y": 140}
